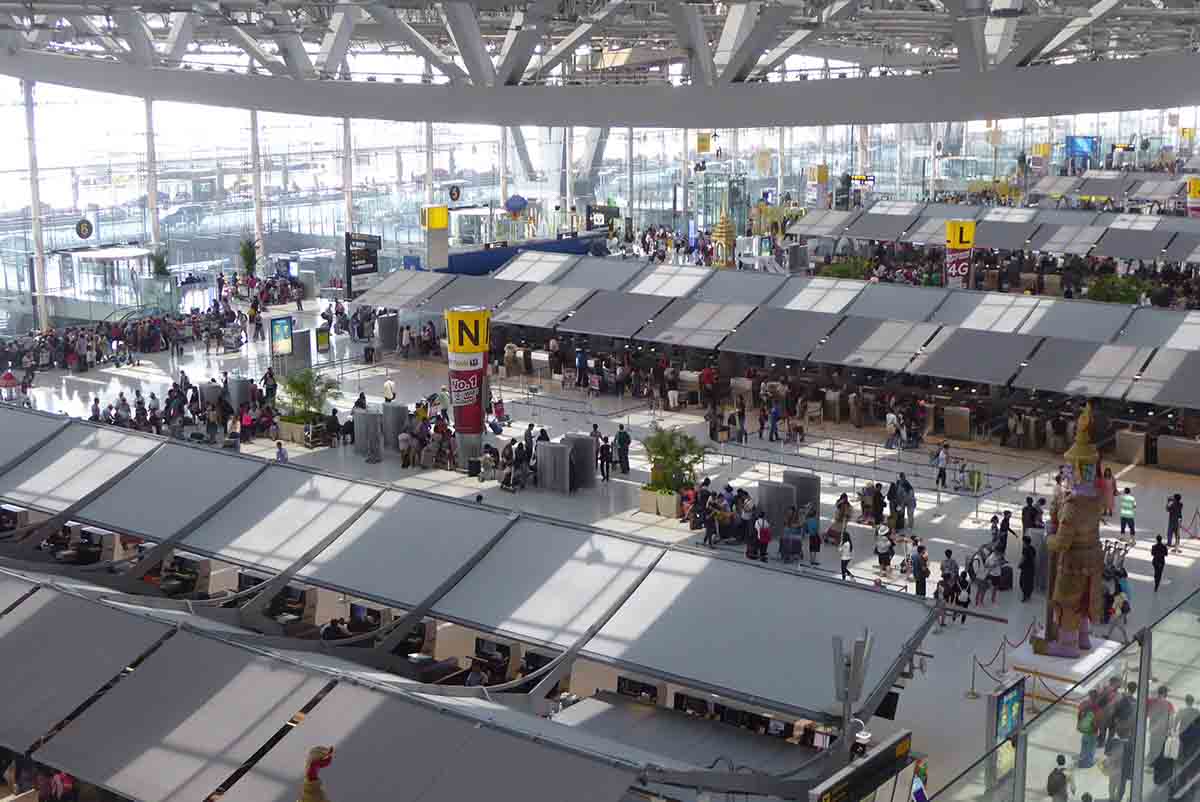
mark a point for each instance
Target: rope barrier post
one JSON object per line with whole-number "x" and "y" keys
{"x": 971, "y": 692}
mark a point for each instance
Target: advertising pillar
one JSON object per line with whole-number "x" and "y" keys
{"x": 468, "y": 337}
{"x": 960, "y": 239}
{"x": 1193, "y": 196}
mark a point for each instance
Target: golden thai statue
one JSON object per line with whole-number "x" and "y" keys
{"x": 319, "y": 757}
{"x": 724, "y": 242}
{"x": 1075, "y": 593}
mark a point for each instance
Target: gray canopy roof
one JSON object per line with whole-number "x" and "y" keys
{"x": 976, "y": 356}
{"x": 818, "y": 294}
{"x": 404, "y": 288}
{"x": 1150, "y": 327}
{"x": 877, "y": 344}
{"x": 1002, "y": 236}
{"x": 614, "y": 314}
{"x": 541, "y": 305}
{"x": 887, "y": 227}
{"x": 470, "y": 291}
{"x": 787, "y": 333}
{"x": 1123, "y": 243}
{"x": 1171, "y": 379}
{"x": 596, "y": 273}
{"x": 1082, "y": 368}
{"x": 537, "y": 267}
{"x": 985, "y": 311}
{"x": 739, "y": 287}
{"x": 897, "y": 302}
{"x": 670, "y": 281}
{"x": 1075, "y": 320}
{"x": 694, "y": 324}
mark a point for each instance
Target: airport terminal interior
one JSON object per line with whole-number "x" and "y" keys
{"x": 600, "y": 401}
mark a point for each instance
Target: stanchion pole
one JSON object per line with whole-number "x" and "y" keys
{"x": 971, "y": 693}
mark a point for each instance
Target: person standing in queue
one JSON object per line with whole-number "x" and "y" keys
{"x": 920, "y": 571}
{"x": 1027, "y": 567}
{"x": 1128, "y": 505}
{"x": 940, "y": 459}
{"x": 1174, "y": 520}
{"x": 623, "y": 443}
{"x": 605, "y": 459}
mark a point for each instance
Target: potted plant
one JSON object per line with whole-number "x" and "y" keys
{"x": 308, "y": 393}
{"x": 159, "y": 262}
{"x": 248, "y": 252}
{"x": 674, "y": 456}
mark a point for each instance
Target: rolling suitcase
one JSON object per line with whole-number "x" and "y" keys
{"x": 1006, "y": 577}
{"x": 495, "y": 426}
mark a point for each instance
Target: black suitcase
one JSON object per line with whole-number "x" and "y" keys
{"x": 1006, "y": 577}
{"x": 473, "y": 466}
{"x": 1164, "y": 767}
{"x": 495, "y": 426}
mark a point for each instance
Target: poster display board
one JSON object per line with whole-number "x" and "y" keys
{"x": 467, "y": 335}
{"x": 960, "y": 239}
{"x": 281, "y": 336}
{"x": 362, "y": 263}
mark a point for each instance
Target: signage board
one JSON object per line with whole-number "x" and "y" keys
{"x": 362, "y": 259}
{"x": 863, "y": 777}
{"x": 703, "y": 143}
{"x": 281, "y": 336}
{"x": 960, "y": 234}
{"x": 323, "y": 341}
{"x": 455, "y": 193}
{"x": 84, "y": 229}
{"x": 467, "y": 340}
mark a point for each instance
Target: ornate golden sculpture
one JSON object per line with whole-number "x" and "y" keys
{"x": 724, "y": 242}
{"x": 1076, "y": 558}
{"x": 318, "y": 758}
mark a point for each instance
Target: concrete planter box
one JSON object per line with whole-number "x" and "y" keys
{"x": 647, "y": 501}
{"x": 668, "y": 506}
{"x": 291, "y": 432}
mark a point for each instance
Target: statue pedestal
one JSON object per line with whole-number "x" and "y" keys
{"x": 1061, "y": 673}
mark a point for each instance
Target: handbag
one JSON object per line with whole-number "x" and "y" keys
{"x": 1171, "y": 747}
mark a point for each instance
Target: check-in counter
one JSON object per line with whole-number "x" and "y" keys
{"x": 837, "y": 406}
{"x": 1130, "y": 448}
{"x": 743, "y": 388}
{"x": 1179, "y": 454}
{"x": 1035, "y": 432}
{"x": 956, "y": 422}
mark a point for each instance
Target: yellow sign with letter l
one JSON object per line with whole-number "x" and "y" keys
{"x": 960, "y": 234}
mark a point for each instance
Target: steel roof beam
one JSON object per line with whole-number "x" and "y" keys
{"x": 89, "y": 29}
{"x": 180, "y": 34}
{"x": 1031, "y": 42}
{"x": 137, "y": 37}
{"x": 524, "y": 33}
{"x": 401, "y": 31}
{"x": 838, "y": 9}
{"x": 291, "y": 46}
{"x": 464, "y": 30}
{"x": 689, "y": 30}
{"x": 739, "y": 18}
{"x": 1078, "y": 26}
{"x": 254, "y": 49}
{"x": 762, "y": 30}
{"x": 566, "y": 46}
{"x": 336, "y": 42}
{"x": 522, "y": 149}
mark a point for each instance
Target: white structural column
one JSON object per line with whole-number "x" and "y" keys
{"x": 684, "y": 173}
{"x": 569, "y": 171}
{"x": 428, "y": 164}
{"x": 733, "y": 152}
{"x": 629, "y": 165}
{"x": 348, "y": 173}
{"x": 503, "y": 164}
{"x": 151, "y": 174}
{"x": 35, "y": 212}
{"x": 782, "y": 165}
{"x": 260, "y": 243}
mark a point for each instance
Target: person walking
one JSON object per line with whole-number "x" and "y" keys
{"x": 920, "y": 571}
{"x": 389, "y": 391}
{"x": 1127, "y": 505}
{"x": 1108, "y": 492}
{"x": 812, "y": 527}
{"x": 949, "y": 583}
{"x": 1003, "y": 533}
{"x": 281, "y": 455}
{"x": 1060, "y": 785}
{"x": 995, "y": 570}
{"x": 1027, "y": 567}
{"x": 1158, "y": 559}
{"x": 909, "y": 494}
{"x": 595, "y": 435}
{"x": 1174, "y": 520}
{"x": 846, "y": 551}
{"x": 623, "y": 443}
{"x": 605, "y": 459}
{"x": 1086, "y": 721}
{"x": 1118, "y": 765}
{"x": 762, "y": 534}
{"x": 940, "y": 460}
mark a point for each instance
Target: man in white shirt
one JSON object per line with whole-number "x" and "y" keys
{"x": 389, "y": 391}
{"x": 940, "y": 460}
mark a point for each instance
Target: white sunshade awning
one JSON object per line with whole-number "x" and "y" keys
{"x": 1064, "y": 217}
{"x": 824, "y": 223}
{"x": 670, "y": 281}
{"x": 897, "y": 302}
{"x": 1162, "y": 328}
{"x": 1082, "y": 368}
{"x": 695, "y": 325}
{"x": 986, "y": 357}
{"x": 1075, "y": 320}
{"x": 172, "y": 487}
{"x": 547, "y": 584}
{"x": 444, "y": 758}
{"x": 906, "y": 208}
{"x": 541, "y": 305}
{"x": 596, "y": 273}
{"x": 403, "y": 288}
{"x": 786, "y": 333}
{"x": 59, "y": 650}
{"x": 831, "y": 295}
{"x": 927, "y": 231}
{"x": 1171, "y": 379}
{"x": 686, "y": 622}
{"x": 985, "y": 311}
{"x": 1009, "y": 215}
{"x": 1056, "y": 186}
{"x": 184, "y": 721}
{"x": 470, "y": 291}
{"x": 403, "y": 547}
{"x": 874, "y": 344}
{"x": 1074, "y": 240}
{"x": 73, "y": 465}
{"x": 278, "y": 518}
{"x": 1158, "y": 190}
{"x": 23, "y": 430}
{"x": 1135, "y": 222}
{"x": 537, "y": 266}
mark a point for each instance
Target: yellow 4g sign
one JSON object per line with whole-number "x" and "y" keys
{"x": 960, "y": 234}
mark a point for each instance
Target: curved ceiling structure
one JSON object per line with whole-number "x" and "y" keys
{"x": 619, "y": 62}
